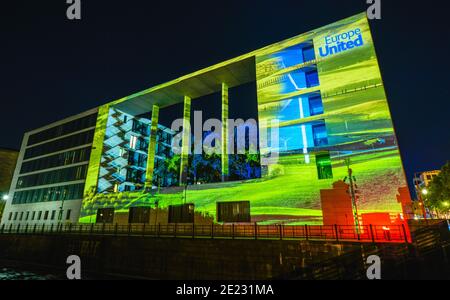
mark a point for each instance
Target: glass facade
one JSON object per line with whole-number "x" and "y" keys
{"x": 59, "y": 193}
{"x": 64, "y": 129}
{"x": 79, "y": 139}
{"x": 52, "y": 177}
{"x": 57, "y": 160}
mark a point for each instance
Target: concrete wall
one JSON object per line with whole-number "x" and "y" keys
{"x": 168, "y": 258}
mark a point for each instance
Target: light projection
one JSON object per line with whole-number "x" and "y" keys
{"x": 325, "y": 90}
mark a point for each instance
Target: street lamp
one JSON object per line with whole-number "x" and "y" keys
{"x": 425, "y": 192}
{"x": 5, "y": 197}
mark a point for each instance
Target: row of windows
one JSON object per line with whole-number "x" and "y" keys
{"x": 58, "y": 160}
{"x": 38, "y": 215}
{"x": 137, "y": 159}
{"x": 141, "y": 128}
{"x": 52, "y": 177}
{"x": 64, "y": 129}
{"x": 72, "y": 141}
{"x": 59, "y": 193}
{"x": 164, "y": 137}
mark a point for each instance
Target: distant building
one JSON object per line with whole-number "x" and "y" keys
{"x": 423, "y": 179}
{"x": 8, "y": 160}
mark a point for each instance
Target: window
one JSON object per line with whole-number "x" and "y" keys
{"x": 10, "y": 216}
{"x": 69, "y": 212}
{"x": 46, "y": 215}
{"x": 139, "y": 215}
{"x": 230, "y": 212}
{"x": 57, "y": 160}
{"x": 64, "y": 129}
{"x": 53, "y": 215}
{"x": 105, "y": 215}
{"x": 324, "y": 169}
{"x": 69, "y": 192}
{"x": 15, "y": 216}
{"x": 315, "y": 105}
{"x": 27, "y": 216}
{"x": 312, "y": 78}
{"x": 181, "y": 213}
{"x": 320, "y": 135}
{"x": 33, "y": 215}
{"x": 39, "y": 215}
{"x": 133, "y": 141}
{"x": 308, "y": 54}
{"x": 58, "y": 176}
{"x": 71, "y": 141}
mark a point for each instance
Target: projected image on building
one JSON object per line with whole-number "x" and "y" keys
{"x": 321, "y": 109}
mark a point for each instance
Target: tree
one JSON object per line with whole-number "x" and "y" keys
{"x": 439, "y": 191}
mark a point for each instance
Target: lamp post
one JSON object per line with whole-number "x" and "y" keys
{"x": 421, "y": 203}
{"x": 423, "y": 193}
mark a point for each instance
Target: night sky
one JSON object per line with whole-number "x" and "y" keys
{"x": 52, "y": 68}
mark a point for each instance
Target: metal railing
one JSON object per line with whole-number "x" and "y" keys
{"x": 366, "y": 233}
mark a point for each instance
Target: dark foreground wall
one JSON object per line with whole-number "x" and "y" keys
{"x": 178, "y": 258}
{"x": 169, "y": 258}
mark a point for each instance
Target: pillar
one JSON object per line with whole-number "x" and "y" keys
{"x": 186, "y": 141}
{"x": 225, "y": 133}
{"x": 152, "y": 148}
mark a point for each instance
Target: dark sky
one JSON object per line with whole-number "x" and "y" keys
{"x": 52, "y": 68}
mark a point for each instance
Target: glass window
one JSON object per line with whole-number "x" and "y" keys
{"x": 39, "y": 215}
{"x": 53, "y": 214}
{"x": 320, "y": 135}
{"x": 15, "y": 216}
{"x": 308, "y": 54}
{"x": 69, "y": 212}
{"x": 33, "y": 215}
{"x": 312, "y": 78}
{"x": 64, "y": 129}
{"x": 46, "y": 215}
{"x": 324, "y": 168}
{"x": 61, "y": 144}
{"x": 10, "y": 216}
{"x": 315, "y": 105}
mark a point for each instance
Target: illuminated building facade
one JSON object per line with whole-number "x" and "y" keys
{"x": 321, "y": 105}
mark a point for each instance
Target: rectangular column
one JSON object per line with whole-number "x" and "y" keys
{"x": 186, "y": 142}
{"x": 225, "y": 152}
{"x": 152, "y": 148}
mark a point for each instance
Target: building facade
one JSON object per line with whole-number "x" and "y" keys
{"x": 322, "y": 115}
{"x": 48, "y": 181}
{"x": 423, "y": 179}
